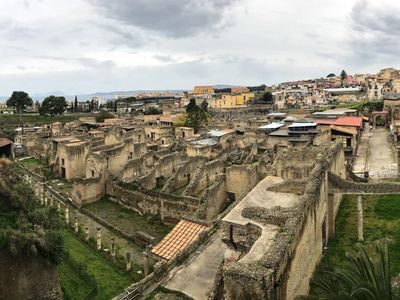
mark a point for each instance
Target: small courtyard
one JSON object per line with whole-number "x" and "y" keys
{"x": 381, "y": 220}
{"x": 128, "y": 220}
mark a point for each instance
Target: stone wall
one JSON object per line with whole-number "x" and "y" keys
{"x": 168, "y": 207}
{"x": 285, "y": 268}
{"x": 28, "y": 278}
{"x": 241, "y": 179}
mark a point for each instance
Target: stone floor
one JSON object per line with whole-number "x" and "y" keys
{"x": 196, "y": 279}
{"x": 376, "y": 155}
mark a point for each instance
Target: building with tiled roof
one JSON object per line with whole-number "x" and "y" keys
{"x": 183, "y": 234}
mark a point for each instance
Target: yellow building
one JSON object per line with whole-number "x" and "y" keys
{"x": 229, "y": 101}
{"x": 203, "y": 90}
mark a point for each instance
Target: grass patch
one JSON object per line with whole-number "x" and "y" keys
{"x": 127, "y": 220}
{"x": 110, "y": 280}
{"x": 32, "y": 163}
{"x": 162, "y": 292}
{"x": 72, "y": 285}
{"x": 179, "y": 191}
{"x": 381, "y": 219}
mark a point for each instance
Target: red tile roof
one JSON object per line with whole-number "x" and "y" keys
{"x": 178, "y": 239}
{"x": 325, "y": 122}
{"x": 349, "y": 121}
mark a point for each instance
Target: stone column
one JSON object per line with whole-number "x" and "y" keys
{"x": 360, "y": 225}
{"x": 113, "y": 247}
{"x": 58, "y": 206}
{"x": 98, "y": 238}
{"x": 162, "y": 210}
{"x": 87, "y": 234}
{"x": 128, "y": 261}
{"x": 76, "y": 225}
{"x": 67, "y": 215}
{"x": 146, "y": 262}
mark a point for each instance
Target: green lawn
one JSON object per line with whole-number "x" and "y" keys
{"x": 110, "y": 280}
{"x": 32, "y": 163}
{"x": 73, "y": 286}
{"x": 381, "y": 219}
{"x": 127, "y": 220}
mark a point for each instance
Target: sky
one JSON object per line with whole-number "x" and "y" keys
{"x": 88, "y": 46}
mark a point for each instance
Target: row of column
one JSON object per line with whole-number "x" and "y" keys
{"x": 46, "y": 198}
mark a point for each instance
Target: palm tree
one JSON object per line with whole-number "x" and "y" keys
{"x": 361, "y": 278}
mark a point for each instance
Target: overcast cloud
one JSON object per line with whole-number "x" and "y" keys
{"x": 84, "y": 46}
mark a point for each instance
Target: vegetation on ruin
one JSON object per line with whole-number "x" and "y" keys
{"x": 104, "y": 115}
{"x": 8, "y": 123}
{"x": 127, "y": 220}
{"x": 197, "y": 115}
{"x": 73, "y": 286}
{"x": 110, "y": 280}
{"x": 381, "y": 220}
{"x": 27, "y": 228}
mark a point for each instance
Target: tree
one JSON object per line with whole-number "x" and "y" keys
{"x": 19, "y": 100}
{"x": 53, "y": 105}
{"x": 331, "y": 75}
{"x": 76, "y": 103}
{"x": 191, "y": 105}
{"x": 361, "y": 278}
{"x": 343, "y": 75}
{"x": 196, "y": 115}
{"x": 267, "y": 97}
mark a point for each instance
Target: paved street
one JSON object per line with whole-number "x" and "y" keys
{"x": 376, "y": 155}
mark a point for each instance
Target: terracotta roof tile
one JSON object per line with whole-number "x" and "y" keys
{"x": 178, "y": 239}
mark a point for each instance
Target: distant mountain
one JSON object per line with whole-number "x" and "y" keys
{"x": 106, "y": 95}
{"x": 224, "y": 86}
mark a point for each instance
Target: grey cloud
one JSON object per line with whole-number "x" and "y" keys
{"x": 174, "y": 18}
{"x": 374, "y": 33}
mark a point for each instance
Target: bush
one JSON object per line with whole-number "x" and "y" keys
{"x": 104, "y": 115}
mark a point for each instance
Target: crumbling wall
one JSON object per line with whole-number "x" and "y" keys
{"x": 241, "y": 179}
{"x": 164, "y": 168}
{"x": 167, "y": 207}
{"x": 138, "y": 167}
{"x": 183, "y": 174}
{"x": 203, "y": 177}
{"x": 87, "y": 190}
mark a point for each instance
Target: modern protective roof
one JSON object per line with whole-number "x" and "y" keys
{"x": 219, "y": 133}
{"x": 351, "y": 131}
{"x": 205, "y": 142}
{"x": 5, "y": 142}
{"x": 343, "y": 90}
{"x": 179, "y": 238}
{"x": 335, "y": 111}
{"x": 302, "y": 125}
{"x": 271, "y": 126}
{"x": 277, "y": 114}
